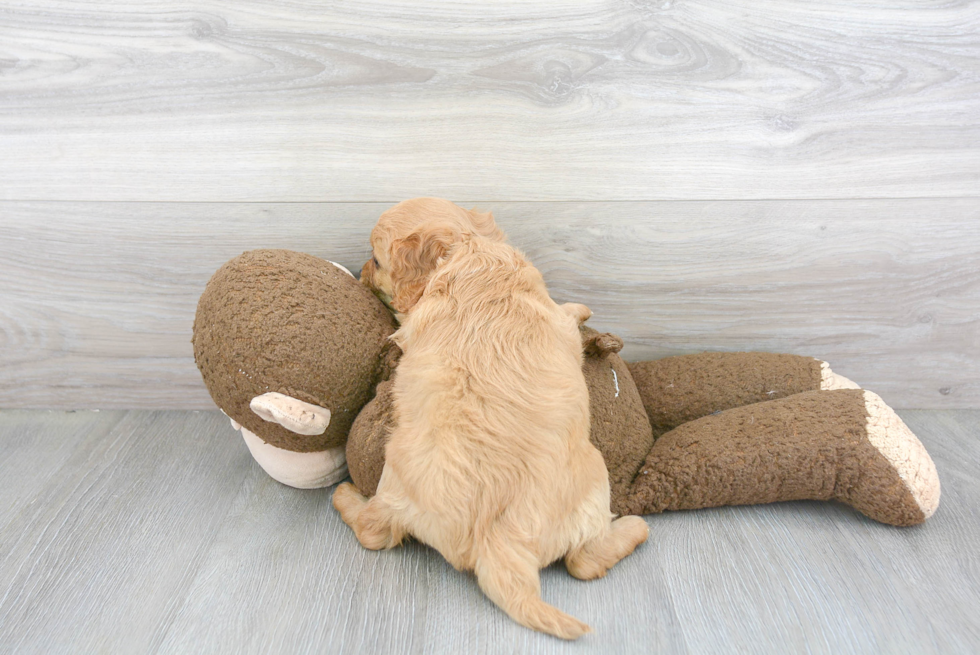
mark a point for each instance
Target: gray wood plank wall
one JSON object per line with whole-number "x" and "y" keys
{"x": 788, "y": 176}
{"x": 553, "y": 100}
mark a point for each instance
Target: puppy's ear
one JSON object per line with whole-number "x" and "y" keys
{"x": 485, "y": 226}
{"x": 413, "y": 259}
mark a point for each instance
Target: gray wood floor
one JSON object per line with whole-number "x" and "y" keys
{"x": 154, "y": 532}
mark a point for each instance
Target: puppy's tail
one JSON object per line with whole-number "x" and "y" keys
{"x": 509, "y": 577}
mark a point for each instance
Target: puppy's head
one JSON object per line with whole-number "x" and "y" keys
{"x": 411, "y": 240}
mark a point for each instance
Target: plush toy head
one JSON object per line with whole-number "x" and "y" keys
{"x": 280, "y": 337}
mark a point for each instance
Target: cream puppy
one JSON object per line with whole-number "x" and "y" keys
{"x": 490, "y": 462}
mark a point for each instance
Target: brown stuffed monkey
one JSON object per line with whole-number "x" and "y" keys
{"x": 292, "y": 348}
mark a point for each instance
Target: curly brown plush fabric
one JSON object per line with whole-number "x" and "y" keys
{"x": 367, "y": 440}
{"x": 679, "y": 389}
{"x": 277, "y": 320}
{"x": 810, "y": 446}
{"x": 619, "y": 425}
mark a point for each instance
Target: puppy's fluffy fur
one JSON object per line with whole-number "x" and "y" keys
{"x": 490, "y": 462}
{"x": 409, "y": 241}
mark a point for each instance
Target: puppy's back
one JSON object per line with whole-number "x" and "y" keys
{"x": 491, "y": 391}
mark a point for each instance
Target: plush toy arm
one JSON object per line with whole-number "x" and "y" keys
{"x": 368, "y": 438}
{"x": 844, "y": 445}
{"x": 679, "y": 389}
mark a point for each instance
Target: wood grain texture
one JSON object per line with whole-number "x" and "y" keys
{"x": 36, "y": 447}
{"x": 97, "y": 299}
{"x": 384, "y": 100}
{"x": 101, "y": 555}
{"x": 158, "y": 534}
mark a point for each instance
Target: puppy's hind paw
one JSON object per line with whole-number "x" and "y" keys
{"x": 348, "y": 501}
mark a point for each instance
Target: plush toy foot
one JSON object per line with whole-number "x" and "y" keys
{"x": 830, "y": 381}
{"x": 300, "y": 470}
{"x": 908, "y": 458}
{"x": 846, "y": 445}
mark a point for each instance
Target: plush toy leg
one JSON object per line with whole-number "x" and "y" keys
{"x": 845, "y": 445}
{"x": 679, "y": 389}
